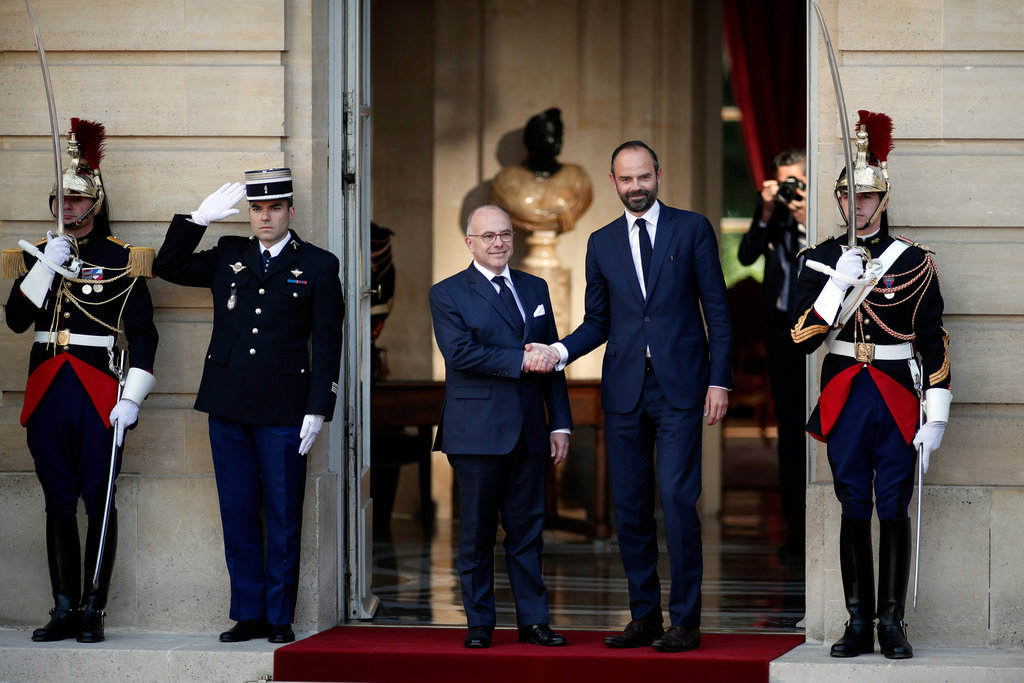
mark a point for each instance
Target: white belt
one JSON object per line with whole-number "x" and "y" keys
{"x": 65, "y": 338}
{"x": 880, "y": 351}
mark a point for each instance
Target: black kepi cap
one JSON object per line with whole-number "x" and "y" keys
{"x": 272, "y": 183}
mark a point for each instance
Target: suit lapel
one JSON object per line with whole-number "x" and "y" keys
{"x": 666, "y": 236}
{"x": 480, "y": 285}
{"x": 620, "y": 243}
{"x": 526, "y": 298}
{"x": 282, "y": 261}
{"x": 252, "y": 256}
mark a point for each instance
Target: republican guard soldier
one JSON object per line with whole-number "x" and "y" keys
{"x": 270, "y": 380}
{"x": 887, "y": 352}
{"x": 81, "y": 396}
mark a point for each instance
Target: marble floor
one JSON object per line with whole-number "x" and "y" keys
{"x": 747, "y": 585}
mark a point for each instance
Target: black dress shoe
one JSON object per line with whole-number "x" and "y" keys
{"x": 281, "y": 634}
{"x": 245, "y": 630}
{"x": 478, "y": 637}
{"x": 677, "y": 639}
{"x": 638, "y": 633}
{"x": 540, "y": 634}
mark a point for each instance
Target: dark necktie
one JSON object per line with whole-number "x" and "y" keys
{"x": 646, "y": 250}
{"x": 266, "y": 259}
{"x": 507, "y": 298}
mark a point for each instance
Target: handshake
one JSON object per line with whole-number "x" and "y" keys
{"x": 540, "y": 358}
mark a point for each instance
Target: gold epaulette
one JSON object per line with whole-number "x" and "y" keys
{"x": 809, "y": 247}
{"x": 140, "y": 259}
{"x": 922, "y": 247}
{"x": 12, "y": 264}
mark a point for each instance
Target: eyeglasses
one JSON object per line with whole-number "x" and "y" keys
{"x": 489, "y": 237}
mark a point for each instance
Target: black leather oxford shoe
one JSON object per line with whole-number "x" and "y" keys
{"x": 245, "y": 630}
{"x": 677, "y": 639}
{"x": 638, "y": 633}
{"x": 281, "y": 634}
{"x": 478, "y": 637}
{"x": 540, "y": 634}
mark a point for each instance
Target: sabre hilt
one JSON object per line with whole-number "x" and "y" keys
{"x": 74, "y": 266}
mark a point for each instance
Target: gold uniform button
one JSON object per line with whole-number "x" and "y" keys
{"x": 67, "y": 314}
{"x": 252, "y": 352}
{"x": 259, "y": 311}
{"x": 255, "y": 330}
{"x": 262, "y": 291}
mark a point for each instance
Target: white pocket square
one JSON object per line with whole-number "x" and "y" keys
{"x": 539, "y": 312}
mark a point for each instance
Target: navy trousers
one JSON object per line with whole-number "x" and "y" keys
{"x": 510, "y": 486}
{"x": 70, "y": 447}
{"x": 260, "y": 466}
{"x": 866, "y": 450}
{"x": 631, "y": 439}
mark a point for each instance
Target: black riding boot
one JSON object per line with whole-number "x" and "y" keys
{"x": 63, "y": 554}
{"x": 94, "y": 598}
{"x": 893, "y": 575}
{"x": 855, "y": 561}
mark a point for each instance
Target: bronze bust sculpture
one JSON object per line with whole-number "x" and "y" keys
{"x": 543, "y": 193}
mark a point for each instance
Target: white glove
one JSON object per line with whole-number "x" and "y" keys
{"x": 311, "y": 425}
{"x": 57, "y": 251}
{"x": 928, "y": 439}
{"x": 219, "y": 205}
{"x": 123, "y": 416}
{"x": 851, "y": 265}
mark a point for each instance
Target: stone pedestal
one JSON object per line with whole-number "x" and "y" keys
{"x": 543, "y": 262}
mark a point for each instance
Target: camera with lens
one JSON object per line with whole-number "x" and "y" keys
{"x": 787, "y": 190}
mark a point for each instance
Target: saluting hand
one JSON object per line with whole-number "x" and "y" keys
{"x": 219, "y": 205}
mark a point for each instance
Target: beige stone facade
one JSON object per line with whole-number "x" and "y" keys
{"x": 194, "y": 92}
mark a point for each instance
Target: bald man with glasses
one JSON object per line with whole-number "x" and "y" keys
{"x": 499, "y": 424}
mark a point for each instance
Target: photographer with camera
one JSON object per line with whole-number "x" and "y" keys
{"x": 778, "y": 231}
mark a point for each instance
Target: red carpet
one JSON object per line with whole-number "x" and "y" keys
{"x": 376, "y": 654}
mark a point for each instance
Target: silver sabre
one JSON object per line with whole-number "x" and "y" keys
{"x": 915, "y": 371}
{"x": 57, "y": 166}
{"x": 851, "y": 222}
{"x": 108, "y": 504}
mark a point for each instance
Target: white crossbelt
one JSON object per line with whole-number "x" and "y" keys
{"x": 73, "y": 339}
{"x": 882, "y": 351}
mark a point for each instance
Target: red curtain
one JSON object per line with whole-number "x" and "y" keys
{"x": 767, "y": 50}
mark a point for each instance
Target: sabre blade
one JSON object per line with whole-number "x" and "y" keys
{"x": 55, "y": 134}
{"x": 851, "y": 220}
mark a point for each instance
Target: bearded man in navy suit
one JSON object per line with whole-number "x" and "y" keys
{"x": 494, "y": 426}
{"x": 654, "y": 280}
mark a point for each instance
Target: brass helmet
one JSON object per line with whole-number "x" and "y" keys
{"x": 870, "y": 170}
{"x": 82, "y": 177}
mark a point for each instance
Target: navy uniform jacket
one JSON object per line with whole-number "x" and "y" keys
{"x": 489, "y": 401}
{"x": 913, "y": 313}
{"x": 275, "y": 351}
{"x": 105, "y": 264}
{"x": 685, "y": 282}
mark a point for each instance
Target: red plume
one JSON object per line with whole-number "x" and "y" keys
{"x": 91, "y": 137}
{"x": 879, "y": 129}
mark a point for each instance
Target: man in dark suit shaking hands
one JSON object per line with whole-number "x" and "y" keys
{"x": 494, "y": 428}
{"x": 651, "y": 273}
